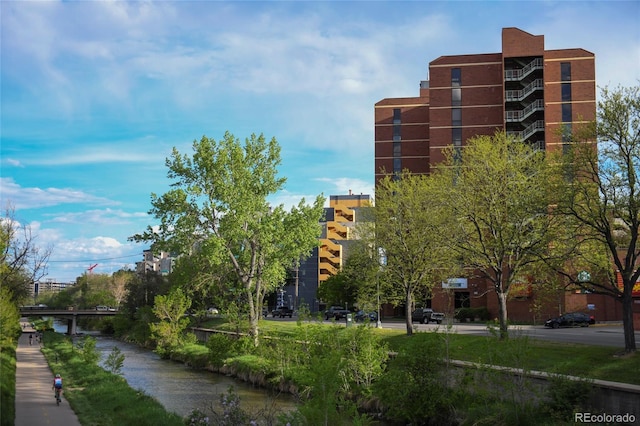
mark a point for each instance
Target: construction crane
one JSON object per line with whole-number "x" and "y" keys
{"x": 90, "y": 268}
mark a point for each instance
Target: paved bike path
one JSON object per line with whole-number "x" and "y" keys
{"x": 35, "y": 402}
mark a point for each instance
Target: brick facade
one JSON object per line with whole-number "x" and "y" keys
{"x": 524, "y": 89}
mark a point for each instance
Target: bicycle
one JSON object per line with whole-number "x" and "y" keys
{"x": 58, "y": 399}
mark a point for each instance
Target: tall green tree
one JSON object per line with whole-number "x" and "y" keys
{"x": 219, "y": 206}
{"x": 170, "y": 310}
{"x": 497, "y": 194}
{"x": 406, "y": 231}
{"x": 604, "y": 198}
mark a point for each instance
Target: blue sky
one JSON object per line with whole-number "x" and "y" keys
{"x": 95, "y": 94}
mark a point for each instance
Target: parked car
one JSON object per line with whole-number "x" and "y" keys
{"x": 213, "y": 311}
{"x": 426, "y": 315}
{"x": 336, "y": 312}
{"x": 362, "y": 316}
{"x": 282, "y": 311}
{"x": 102, "y": 308}
{"x": 571, "y": 319}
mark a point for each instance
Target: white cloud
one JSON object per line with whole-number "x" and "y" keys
{"x": 106, "y": 217}
{"x": 25, "y": 198}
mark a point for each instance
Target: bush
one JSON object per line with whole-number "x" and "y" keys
{"x": 414, "y": 388}
{"x": 219, "y": 347}
{"x": 566, "y": 396}
{"x": 464, "y": 314}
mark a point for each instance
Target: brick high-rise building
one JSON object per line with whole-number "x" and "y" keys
{"x": 525, "y": 90}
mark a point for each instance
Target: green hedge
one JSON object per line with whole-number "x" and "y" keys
{"x": 470, "y": 314}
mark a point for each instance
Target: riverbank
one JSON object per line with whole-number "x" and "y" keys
{"x": 99, "y": 397}
{"x": 35, "y": 404}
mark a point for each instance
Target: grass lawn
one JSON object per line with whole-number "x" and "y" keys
{"x": 594, "y": 362}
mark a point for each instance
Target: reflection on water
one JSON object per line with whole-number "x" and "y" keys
{"x": 180, "y": 389}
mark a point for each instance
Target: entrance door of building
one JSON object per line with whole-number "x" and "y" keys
{"x": 462, "y": 299}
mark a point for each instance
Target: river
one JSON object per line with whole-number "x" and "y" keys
{"x": 181, "y": 389}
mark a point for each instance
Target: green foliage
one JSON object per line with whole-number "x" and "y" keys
{"x": 219, "y": 347}
{"x": 219, "y": 203}
{"x": 497, "y": 196}
{"x": 566, "y": 396}
{"x": 9, "y": 333}
{"x": 21, "y": 262}
{"x": 115, "y": 361}
{"x": 97, "y": 396}
{"x": 408, "y": 229}
{"x": 463, "y": 314}
{"x": 229, "y": 412}
{"x": 414, "y": 387}
{"x": 601, "y": 198}
{"x": 171, "y": 310}
{"x": 9, "y": 319}
{"x": 88, "y": 351}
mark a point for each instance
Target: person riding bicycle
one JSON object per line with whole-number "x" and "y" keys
{"x": 57, "y": 385}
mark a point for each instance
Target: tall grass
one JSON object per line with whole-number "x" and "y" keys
{"x": 99, "y": 397}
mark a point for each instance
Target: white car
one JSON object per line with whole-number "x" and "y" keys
{"x": 213, "y": 311}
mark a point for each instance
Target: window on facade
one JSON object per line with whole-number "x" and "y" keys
{"x": 456, "y": 77}
{"x": 456, "y": 117}
{"x": 397, "y": 165}
{"x": 456, "y": 136}
{"x": 396, "y": 116}
{"x": 565, "y": 71}
{"x": 566, "y": 92}
{"x": 396, "y": 150}
{"x": 566, "y": 113}
{"x": 396, "y": 130}
{"x": 456, "y": 96}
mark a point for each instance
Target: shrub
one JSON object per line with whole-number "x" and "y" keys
{"x": 219, "y": 347}
{"x": 414, "y": 388}
{"x": 566, "y": 396}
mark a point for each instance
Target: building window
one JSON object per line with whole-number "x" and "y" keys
{"x": 456, "y": 77}
{"x": 397, "y": 152}
{"x": 566, "y": 92}
{"x": 396, "y": 131}
{"x": 566, "y": 113}
{"x": 397, "y": 165}
{"x": 565, "y": 71}
{"x": 456, "y": 117}
{"x": 396, "y": 116}
{"x": 456, "y": 96}
{"x": 456, "y": 136}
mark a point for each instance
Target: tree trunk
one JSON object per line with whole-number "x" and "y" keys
{"x": 627, "y": 319}
{"x": 253, "y": 316}
{"x": 502, "y": 312}
{"x": 408, "y": 301}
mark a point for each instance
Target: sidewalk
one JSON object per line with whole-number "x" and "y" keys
{"x": 35, "y": 402}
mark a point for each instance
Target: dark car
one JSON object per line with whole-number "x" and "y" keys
{"x": 571, "y": 319}
{"x": 362, "y": 316}
{"x": 282, "y": 311}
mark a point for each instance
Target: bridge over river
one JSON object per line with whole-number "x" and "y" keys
{"x": 70, "y": 315}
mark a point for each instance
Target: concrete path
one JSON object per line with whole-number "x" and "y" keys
{"x": 35, "y": 402}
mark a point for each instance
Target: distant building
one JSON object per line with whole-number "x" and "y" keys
{"x": 49, "y": 286}
{"x": 524, "y": 90}
{"x": 326, "y": 260}
{"x": 160, "y": 264}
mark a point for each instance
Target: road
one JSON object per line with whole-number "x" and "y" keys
{"x": 610, "y": 335}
